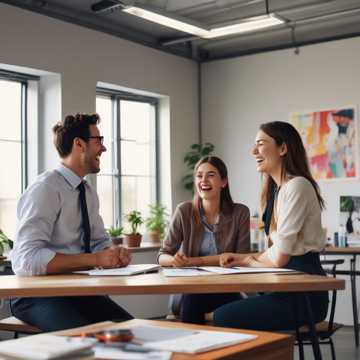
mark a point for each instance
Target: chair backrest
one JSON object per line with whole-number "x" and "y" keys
{"x": 332, "y": 271}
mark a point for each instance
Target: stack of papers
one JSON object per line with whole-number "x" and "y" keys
{"x": 46, "y": 347}
{"x": 124, "y": 271}
{"x": 112, "y": 352}
{"x": 185, "y": 340}
{"x": 218, "y": 270}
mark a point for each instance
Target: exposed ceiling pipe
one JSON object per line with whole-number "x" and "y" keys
{"x": 288, "y": 24}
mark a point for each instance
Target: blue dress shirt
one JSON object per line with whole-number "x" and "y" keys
{"x": 208, "y": 243}
{"x": 49, "y": 222}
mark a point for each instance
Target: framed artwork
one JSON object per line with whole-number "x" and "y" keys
{"x": 350, "y": 217}
{"x": 330, "y": 138}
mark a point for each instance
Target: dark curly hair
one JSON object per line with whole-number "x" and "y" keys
{"x": 71, "y": 127}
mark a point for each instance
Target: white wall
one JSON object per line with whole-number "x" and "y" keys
{"x": 83, "y": 57}
{"x": 241, "y": 93}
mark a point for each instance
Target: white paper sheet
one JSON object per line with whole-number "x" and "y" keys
{"x": 124, "y": 271}
{"x": 243, "y": 270}
{"x": 114, "y": 353}
{"x": 45, "y": 347}
{"x": 202, "y": 341}
{"x": 186, "y": 340}
{"x": 170, "y": 272}
{"x": 218, "y": 270}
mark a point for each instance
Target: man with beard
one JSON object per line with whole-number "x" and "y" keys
{"x": 60, "y": 230}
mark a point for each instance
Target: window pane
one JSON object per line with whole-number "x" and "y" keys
{"x": 137, "y": 194}
{"x": 10, "y": 185}
{"x": 105, "y": 192}
{"x": 135, "y": 159}
{"x": 10, "y": 110}
{"x": 8, "y": 216}
{"x": 135, "y": 121}
{"x": 104, "y": 109}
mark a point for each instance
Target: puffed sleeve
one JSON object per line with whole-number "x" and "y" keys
{"x": 292, "y": 212}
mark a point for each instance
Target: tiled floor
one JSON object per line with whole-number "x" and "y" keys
{"x": 344, "y": 347}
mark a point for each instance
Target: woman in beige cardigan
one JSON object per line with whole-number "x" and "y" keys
{"x": 203, "y": 229}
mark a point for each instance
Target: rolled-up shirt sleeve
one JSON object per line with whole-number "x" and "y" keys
{"x": 291, "y": 216}
{"x": 37, "y": 211}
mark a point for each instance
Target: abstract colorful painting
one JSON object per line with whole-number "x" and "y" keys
{"x": 329, "y": 137}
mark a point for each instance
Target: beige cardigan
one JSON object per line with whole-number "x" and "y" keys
{"x": 232, "y": 234}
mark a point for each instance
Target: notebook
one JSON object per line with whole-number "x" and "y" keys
{"x": 124, "y": 271}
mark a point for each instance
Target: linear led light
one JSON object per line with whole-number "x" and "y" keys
{"x": 245, "y": 25}
{"x": 166, "y": 21}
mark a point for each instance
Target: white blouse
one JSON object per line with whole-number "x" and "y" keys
{"x": 298, "y": 215}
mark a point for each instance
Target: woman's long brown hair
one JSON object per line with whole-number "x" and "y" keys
{"x": 226, "y": 201}
{"x": 294, "y": 162}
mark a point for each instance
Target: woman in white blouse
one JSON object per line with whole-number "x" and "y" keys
{"x": 291, "y": 204}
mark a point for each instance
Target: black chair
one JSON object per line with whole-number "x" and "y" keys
{"x": 324, "y": 329}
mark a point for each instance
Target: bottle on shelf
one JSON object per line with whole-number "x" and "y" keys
{"x": 342, "y": 236}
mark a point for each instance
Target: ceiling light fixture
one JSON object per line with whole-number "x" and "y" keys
{"x": 239, "y": 27}
{"x": 246, "y": 25}
{"x": 165, "y": 20}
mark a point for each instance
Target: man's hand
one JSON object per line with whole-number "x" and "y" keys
{"x": 181, "y": 260}
{"x": 112, "y": 257}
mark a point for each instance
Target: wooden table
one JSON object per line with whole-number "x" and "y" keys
{"x": 353, "y": 252}
{"x": 82, "y": 285}
{"x": 267, "y": 345}
{"x": 156, "y": 283}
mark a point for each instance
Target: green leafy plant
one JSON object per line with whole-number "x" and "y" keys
{"x": 157, "y": 220}
{"x": 346, "y": 204}
{"x": 5, "y": 242}
{"x": 115, "y": 231}
{"x": 135, "y": 220}
{"x": 191, "y": 158}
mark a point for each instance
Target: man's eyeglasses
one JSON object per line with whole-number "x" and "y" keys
{"x": 100, "y": 138}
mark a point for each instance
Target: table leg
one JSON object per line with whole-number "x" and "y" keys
{"x": 311, "y": 324}
{"x": 298, "y": 336}
{"x": 354, "y": 298}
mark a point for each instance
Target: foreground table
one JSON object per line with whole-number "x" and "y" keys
{"x": 267, "y": 345}
{"x": 353, "y": 252}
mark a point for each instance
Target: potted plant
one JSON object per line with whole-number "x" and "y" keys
{"x": 156, "y": 223}
{"x": 135, "y": 220}
{"x": 5, "y": 242}
{"x": 115, "y": 234}
{"x": 191, "y": 158}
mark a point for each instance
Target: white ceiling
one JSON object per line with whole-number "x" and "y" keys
{"x": 308, "y": 22}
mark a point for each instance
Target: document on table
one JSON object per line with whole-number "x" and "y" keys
{"x": 243, "y": 270}
{"x": 173, "y": 272}
{"x": 186, "y": 340}
{"x": 46, "y": 347}
{"x": 218, "y": 270}
{"x": 103, "y": 352}
{"x": 124, "y": 271}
